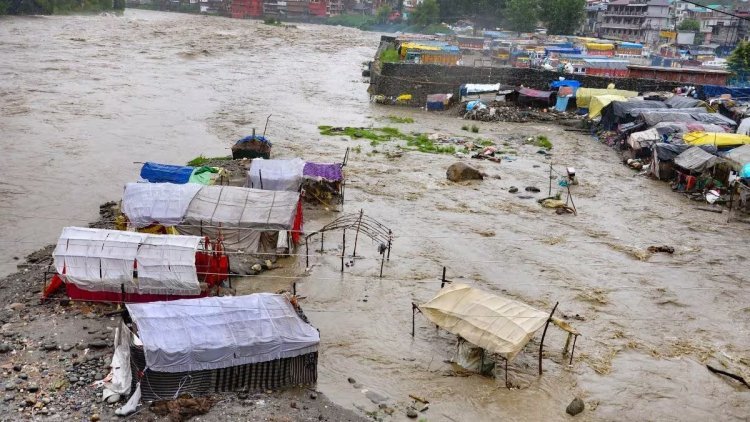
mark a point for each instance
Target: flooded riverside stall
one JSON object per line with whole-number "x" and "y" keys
{"x": 85, "y": 97}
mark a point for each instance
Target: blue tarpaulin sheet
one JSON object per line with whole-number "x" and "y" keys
{"x": 573, "y": 84}
{"x": 166, "y": 173}
{"x": 711, "y": 91}
{"x": 561, "y": 50}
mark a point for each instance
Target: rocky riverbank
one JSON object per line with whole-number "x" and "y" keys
{"x": 52, "y": 354}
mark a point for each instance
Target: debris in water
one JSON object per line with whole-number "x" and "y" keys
{"x": 663, "y": 248}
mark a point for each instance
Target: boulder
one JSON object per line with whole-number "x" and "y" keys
{"x": 575, "y": 407}
{"x": 458, "y": 172}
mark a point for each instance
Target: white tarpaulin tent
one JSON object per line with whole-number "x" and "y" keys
{"x": 98, "y": 260}
{"x": 220, "y": 332}
{"x": 239, "y": 214}
{"x": 163, "y": 203}
{"x": 494, "y": 323}
{"x": 275, "y": 174}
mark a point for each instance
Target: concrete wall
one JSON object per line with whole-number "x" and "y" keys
{"x": 420, "y": 80}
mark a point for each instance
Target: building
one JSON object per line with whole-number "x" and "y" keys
{"x": 594, "y": 17}
{"x": 686, "y": 75}
{"x": 636, "y": 20}
{"x": 718, "y": 29}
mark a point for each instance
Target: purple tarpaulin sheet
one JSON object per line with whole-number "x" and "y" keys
{"x": 329, "y": 172}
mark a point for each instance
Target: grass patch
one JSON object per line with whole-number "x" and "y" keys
{"x": 416, "y": 141}
{"x": 485, "y": 142}
{"x": 543, "y": 142}
{"x": 475, "y": 128}
{"x": 272, "y": 21}
{"x": 202, "y": 160}
{"x": 389, "y": 55}
{"x": 396, "y": 119}
{"x": 465, "y": 127}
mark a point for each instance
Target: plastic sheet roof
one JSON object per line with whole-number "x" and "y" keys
{"x": 220, "y": 332}
{"x": 495, "y": 323}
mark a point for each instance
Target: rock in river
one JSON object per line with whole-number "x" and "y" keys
{"x": 458, "y": 172}
{"x": 575, "y": 407}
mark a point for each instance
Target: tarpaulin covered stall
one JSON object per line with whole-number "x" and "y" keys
{"x": 113, "y": 265}
{"x": 252, "y": 146}
{"x": 679, "y": 101}
{"x": 528, "y": 96}
{"x": 584, "y": 95}
{"x": 242, "y": 215}
{"x": 696, "y": 160}
{"x": 682, "y": 127}
{"x": 719, "y": 140}
{"x": 470, "y": 89}
{"x": 738, "y": 157}
{"x": 157, "y": 203}
{"x": 600, "y": 101}
{"x": 167, "y": 173}
{"x": 495, "y": 323}
{"x": 663, "y": 155}
{"x": 218, "y": 344}
{"x": 619, "y": 112}
{"x": 685, "y": 115}
{"x": 275, "y": 174}
{"x": 643, "y": 139}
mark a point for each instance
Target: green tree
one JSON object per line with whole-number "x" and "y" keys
{"x": 427, "y": 13}
{"x": 739, "y": 61}
{"x": 689, "y": 25}
{"x": 563, "y": 17}
{"x": 521, "y": 15}
{"x": 382, "y": 13}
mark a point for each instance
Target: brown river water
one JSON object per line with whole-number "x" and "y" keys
{"x": 82, "y": 99}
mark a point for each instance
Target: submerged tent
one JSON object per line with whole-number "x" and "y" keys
{"x": 242, "y": 215}
{"x": 218, "y": 344}
{"x": 696, "y": 159}
{"x": 275, "y": 174}
{"x": 685, "y": 115}
{"x": 720, "y": 140}
{"x": 114, "y": 265}
{"x": 495, "y": 323}
{"x": 643, "y": 139}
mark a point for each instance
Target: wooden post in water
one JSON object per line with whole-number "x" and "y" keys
{"x": 550, "y": 179}
{"x": 307, "y": 254}
{"x": 544, "y": 333}
{"x": 390, "y": 236}
{"x": 442, "y": 283}
{"x": 356, "y": 236}
{"x": 575, "y": 337}
{"x": 343, "y": 250}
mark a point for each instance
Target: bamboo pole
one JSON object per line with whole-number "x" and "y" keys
{"x": 544, "y": 333}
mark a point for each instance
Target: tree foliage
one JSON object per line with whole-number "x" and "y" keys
{"x": 563, "y": 17}
{"x": 739, "y": 61}
{"x": 689, "y": 25}
{"x": 427, "y": 13}
{"x": 487, "y": 13}
{"x": 382, "y": 13}
{"x": 521, "y": 15}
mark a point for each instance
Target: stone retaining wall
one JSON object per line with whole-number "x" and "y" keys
{"x": 420, "y": 80}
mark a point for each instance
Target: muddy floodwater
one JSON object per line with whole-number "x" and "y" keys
{"x": 84, "y": 99}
